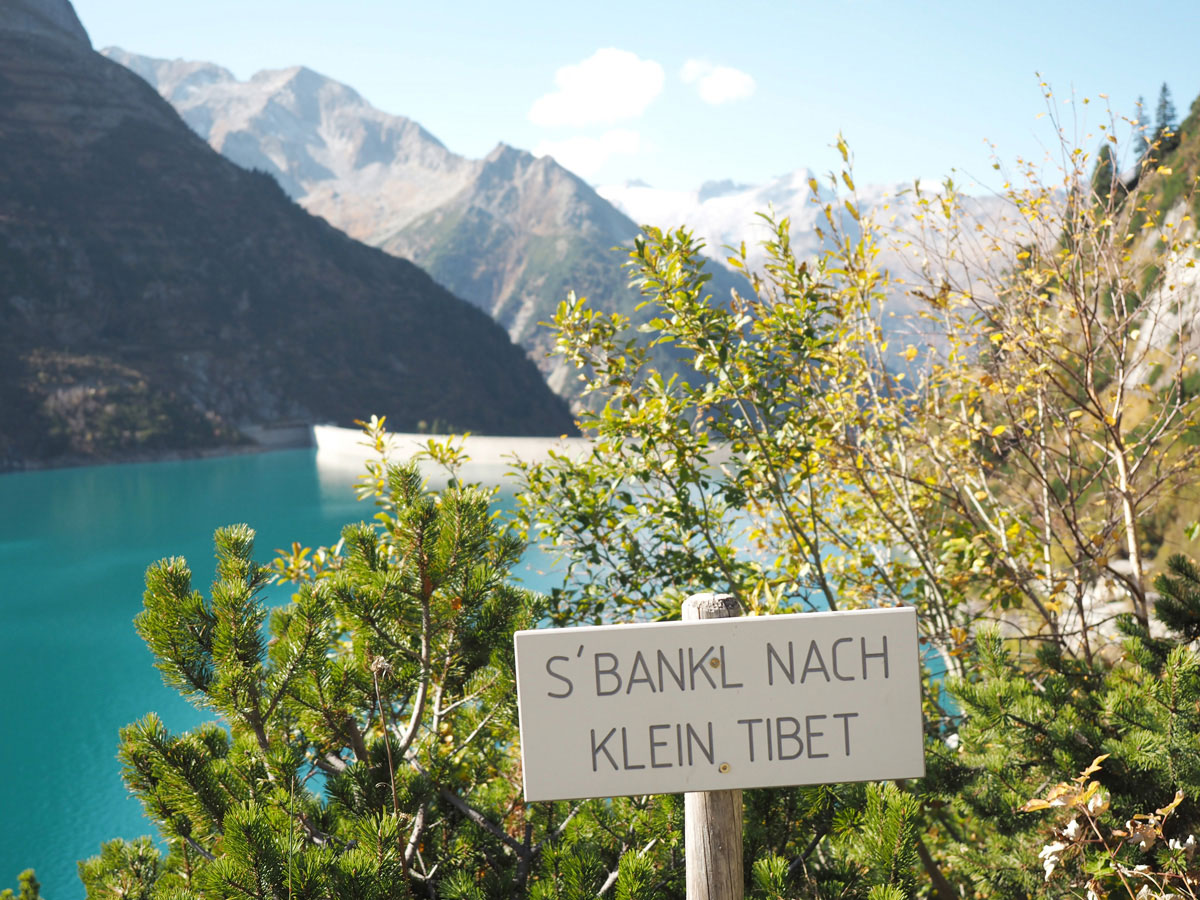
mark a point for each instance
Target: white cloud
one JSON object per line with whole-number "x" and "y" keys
{"x": 585, "y": 155}
{"x": 717, "y": 84}
{"x": 608, "y": 86}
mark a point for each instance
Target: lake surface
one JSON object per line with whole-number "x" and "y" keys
{"x": 74, "y": 546}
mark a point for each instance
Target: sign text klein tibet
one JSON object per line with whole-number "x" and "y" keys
{"x": 762, "y": 701}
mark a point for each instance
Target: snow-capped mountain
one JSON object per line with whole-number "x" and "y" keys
{"x": 724, "y": 213}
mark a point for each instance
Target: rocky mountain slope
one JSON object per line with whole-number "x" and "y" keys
{"x": 156, "y": 297}
{"x": 511, "y": 233}
{"x": 365, "y": 171}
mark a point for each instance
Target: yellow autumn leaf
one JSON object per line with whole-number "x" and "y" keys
{"x": 1170, "y": 807}
{"x": 1088, "y": 792}
{"x": 910, "y": 353}
{"x": 1054, "y": 798}
{"x": 1094, "y": 767}
{"x": 999, "y": 430}
{"x": 1075, "y": 414}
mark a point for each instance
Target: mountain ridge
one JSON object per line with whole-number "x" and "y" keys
{"x": 511, "y": 233}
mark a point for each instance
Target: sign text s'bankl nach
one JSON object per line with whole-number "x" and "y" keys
{"x": 761, "y": 701}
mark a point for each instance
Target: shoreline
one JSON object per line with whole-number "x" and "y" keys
{"x": 336, "y": 448}
{"x": 80, "y": 462}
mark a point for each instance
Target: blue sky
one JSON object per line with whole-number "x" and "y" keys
{"x": 679, "y": 93}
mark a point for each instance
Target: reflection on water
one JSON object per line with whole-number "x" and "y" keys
{"x": 74, "y": 545}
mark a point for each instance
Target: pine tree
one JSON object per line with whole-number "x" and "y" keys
{"x": 389, "y": 675}
{"x": 1179, "y": 597}
{"x": 1166, "y": 128}
{"x": 1104, "y": 178}
{"x": 28, "y": 888}
{"x": 124, "y": 870}
{"x": 1164, "y": 117}
{"x": 1141, "y": 129}
{"x": 1029, "y": 723}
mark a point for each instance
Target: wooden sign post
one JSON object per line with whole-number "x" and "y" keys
{"x": 712, "y": 820}
{"x": 718, "y": 703}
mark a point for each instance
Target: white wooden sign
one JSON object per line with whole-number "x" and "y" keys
{"x": 762, "y": 701}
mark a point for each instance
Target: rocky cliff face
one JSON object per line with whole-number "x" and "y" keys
{"x": 154, "y": 296}
{"x": 511, "y": 233}
{"x": 521, "y": 234}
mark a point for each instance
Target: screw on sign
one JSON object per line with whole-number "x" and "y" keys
{"x": 717, "y": 703}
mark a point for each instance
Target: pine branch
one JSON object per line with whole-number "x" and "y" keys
{"x": 191, "y": 842}
{"x": 480, "y": 819}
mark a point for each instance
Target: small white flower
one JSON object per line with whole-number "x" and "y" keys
{"x": 1188, "y": 846}
{"x": 1050, "y": 856}
{"x": 1072, "y": 830}
{"x": 1049, "y": 864}
{"x": 1052, "y": 850}
{"x": 952, "y": 741}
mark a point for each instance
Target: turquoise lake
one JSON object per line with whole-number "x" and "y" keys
{"x": 74, "y": 545}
